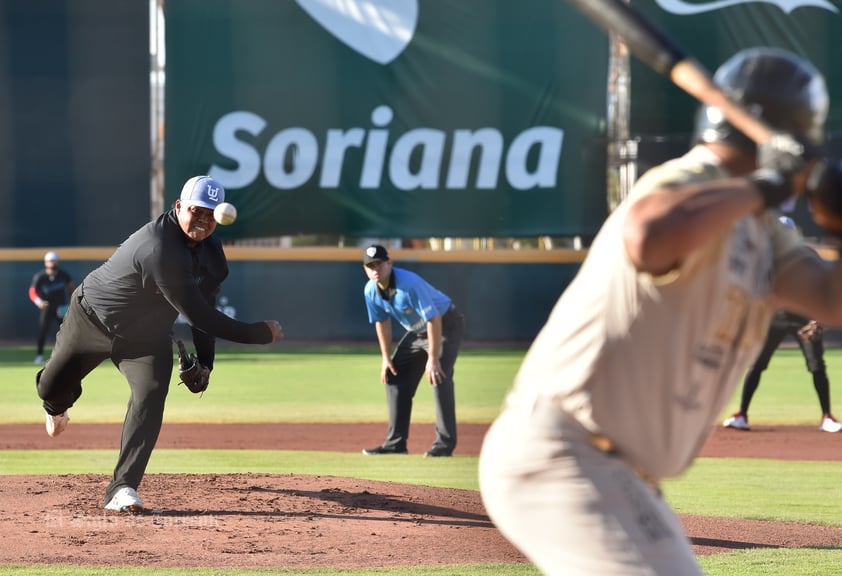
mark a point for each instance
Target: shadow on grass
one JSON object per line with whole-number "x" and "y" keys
{"x": 729, "y": 544}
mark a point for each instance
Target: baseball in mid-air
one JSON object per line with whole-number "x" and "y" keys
{"x": 225, "y": 213}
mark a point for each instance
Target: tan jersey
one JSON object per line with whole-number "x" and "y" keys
{"x": 650, "y": 362}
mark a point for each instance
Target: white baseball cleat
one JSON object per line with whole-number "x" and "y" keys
{"x": 126, "y": 500}
{"x": 738, "y": 421}
{"x": 830, "y": 424}
{"x": 56, "y": 424}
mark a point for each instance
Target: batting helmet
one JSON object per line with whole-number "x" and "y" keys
{"x": 780, "y": 87}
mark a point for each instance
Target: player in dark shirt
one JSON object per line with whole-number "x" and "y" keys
{"x": 49, "y": 290}
{"x": 125, "y": 310}
{"x": 809, "y": 336}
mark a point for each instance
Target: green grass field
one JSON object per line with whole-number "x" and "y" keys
{"x": 273, "y": 384}
{"x": 285, "y": 384}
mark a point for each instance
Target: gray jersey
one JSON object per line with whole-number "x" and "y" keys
{"x": 651, "y": 361}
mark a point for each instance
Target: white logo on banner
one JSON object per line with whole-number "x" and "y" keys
{"x": 474, "y": 158}
{"x": 687, "y": 8}
{"x": 377, "y": 29}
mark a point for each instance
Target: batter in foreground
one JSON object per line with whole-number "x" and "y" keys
{"x": 623, "y": 384}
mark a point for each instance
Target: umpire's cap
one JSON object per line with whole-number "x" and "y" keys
{"x": 375, "y": 253}
{"x": 202, "y": 191}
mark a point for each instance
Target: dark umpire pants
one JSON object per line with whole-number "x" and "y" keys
{"x": 82, "y": 344}
{"x": 410, "y": 361}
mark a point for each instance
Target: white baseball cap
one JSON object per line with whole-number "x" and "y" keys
{"x": 202, "y": 191}
{"x": 51, "y": 257}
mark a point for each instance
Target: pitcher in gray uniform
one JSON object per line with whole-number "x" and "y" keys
{"x": 124, "y": 311}
{"x": 623, "y": 384}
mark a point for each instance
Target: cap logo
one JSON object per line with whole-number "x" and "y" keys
{"x": 213, "y": 193}
{"x": 371, "y": 251}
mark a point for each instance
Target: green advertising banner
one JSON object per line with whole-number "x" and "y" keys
{"x": 390, "y": 118}
{"x": 713, "y": 30}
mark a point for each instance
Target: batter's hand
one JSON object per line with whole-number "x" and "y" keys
{"x": 781, "y": 153}
{"x": 386, "y": 369}
{"x": 810, "y": 332}
{"x": 275, "y": 327}
{"x": 781, "y": 169}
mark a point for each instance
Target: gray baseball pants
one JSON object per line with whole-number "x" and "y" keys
{"x": 82, "y": 344}
{"x": 410, "y": 361}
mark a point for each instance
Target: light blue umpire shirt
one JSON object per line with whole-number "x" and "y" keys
{"x": 414, "y": 302}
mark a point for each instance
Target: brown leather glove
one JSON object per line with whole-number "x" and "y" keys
{"x": 191, "y": 372}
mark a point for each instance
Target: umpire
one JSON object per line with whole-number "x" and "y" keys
{"x": 434, "y": 330}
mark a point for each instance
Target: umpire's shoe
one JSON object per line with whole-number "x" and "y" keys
{"x": 438, "y": 452}
{"x": 382, "y": 450}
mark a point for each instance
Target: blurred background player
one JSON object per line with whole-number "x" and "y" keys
{"x": 430, "y": 346}
{"x": 648, "y": 342}
{"x": 809, "y": 336}
{"x": 49, "y": 291}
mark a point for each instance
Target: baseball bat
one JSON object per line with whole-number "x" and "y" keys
{"x": 654, "y": 48}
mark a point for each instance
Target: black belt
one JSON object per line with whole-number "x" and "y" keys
{"x": 451, "y": 315}
{"x": 89, "y": 312}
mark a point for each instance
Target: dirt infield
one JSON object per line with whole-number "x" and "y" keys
{"x": 251, "y": 520}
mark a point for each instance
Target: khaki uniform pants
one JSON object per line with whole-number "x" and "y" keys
{"x": 572, "y": 509}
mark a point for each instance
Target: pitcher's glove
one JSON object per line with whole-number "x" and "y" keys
{"x": 191, "y": 372}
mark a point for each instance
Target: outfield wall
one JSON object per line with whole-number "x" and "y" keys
{"x": 316, "y": 293}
